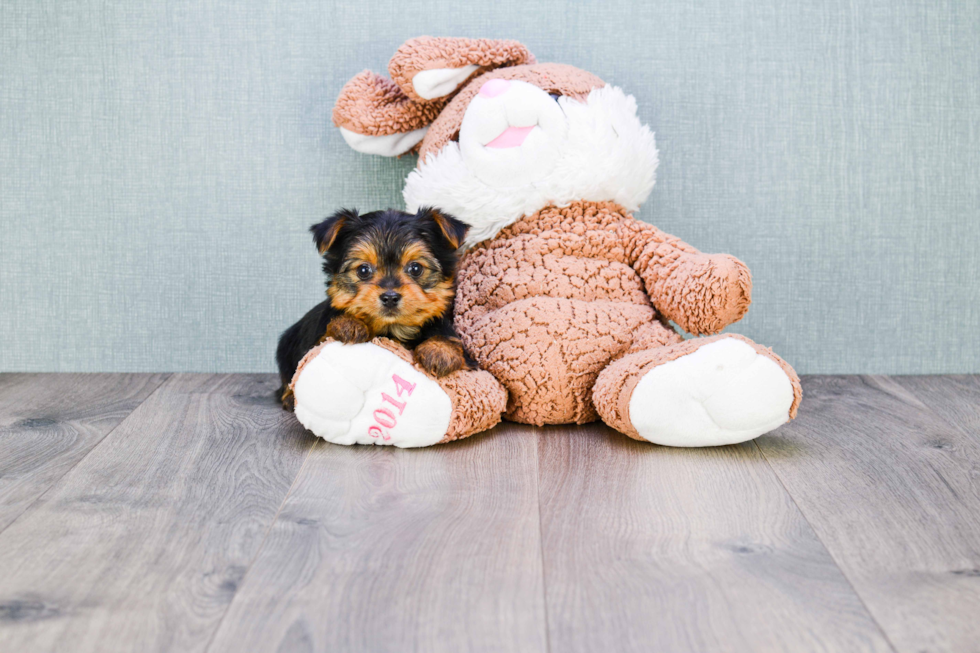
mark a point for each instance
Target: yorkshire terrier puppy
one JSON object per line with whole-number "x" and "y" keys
{"x": 389, "y": 273}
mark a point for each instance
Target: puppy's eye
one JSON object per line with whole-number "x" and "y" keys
{"x": 414, "y": 270}
{"x": 364, "y": 271}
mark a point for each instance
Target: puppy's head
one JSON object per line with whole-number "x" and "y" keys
{"x": 390, "y": 268}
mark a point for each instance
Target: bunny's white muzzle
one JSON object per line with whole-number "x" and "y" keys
{"x": 512, "y": 133}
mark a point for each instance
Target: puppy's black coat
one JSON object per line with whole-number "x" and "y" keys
{"x": 389, "y": 273}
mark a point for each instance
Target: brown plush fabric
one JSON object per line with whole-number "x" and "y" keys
{"x": 569, "y": 306}
{"x": 477, "y": 398}
{"x": 552, "y": 77}
{"x": 554, "y": 298}
{"x": 478, "y": 402}
{"x": 701, "y": 293}
{"x": 614, "y": 387}
{"x": 427, "y": 52}
{"x": 375, "y": 106}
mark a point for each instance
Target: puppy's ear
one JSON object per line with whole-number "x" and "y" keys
{"x": 325, "y": 233}
{"x": 451, "y": 229}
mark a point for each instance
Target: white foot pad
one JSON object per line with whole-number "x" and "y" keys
{"x": 363, "y": 394}
{"x": 723, "y": 393}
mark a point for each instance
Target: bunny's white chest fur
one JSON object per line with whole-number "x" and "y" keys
{"x": 597, "y": 150}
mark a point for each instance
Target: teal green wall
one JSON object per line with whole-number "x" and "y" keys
{"x": 160, "y": 162}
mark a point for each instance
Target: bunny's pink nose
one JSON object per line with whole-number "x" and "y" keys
{"x": 494, "y": 87}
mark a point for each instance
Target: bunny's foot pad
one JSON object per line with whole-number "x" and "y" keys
{"x": 366, "y": 394}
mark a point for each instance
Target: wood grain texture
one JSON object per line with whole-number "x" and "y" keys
{"x": 188, "y": 522}
{"x": 142, "y": 545}
{"x": 379, "y": 549}
{"x": 649, "y": 548}
{"x": 894, "y": 493}
{"x": 48, "y": 422}
{"x": 953, "y": 398}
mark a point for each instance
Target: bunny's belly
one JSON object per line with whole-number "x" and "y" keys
{"x": 548, "y": 351}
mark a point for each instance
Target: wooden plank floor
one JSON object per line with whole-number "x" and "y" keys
{"x": 189, "y": 513}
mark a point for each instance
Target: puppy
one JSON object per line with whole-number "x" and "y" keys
{"x": 389, "y": 273}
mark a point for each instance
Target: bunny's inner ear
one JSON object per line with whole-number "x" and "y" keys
{"x": 388, "y": 145}
{"x": 375, "y": 117}
{"x": 429, "y": 68}
{"x": 440, "y": 82}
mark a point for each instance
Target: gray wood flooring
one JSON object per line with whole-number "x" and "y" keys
{"x": 189, "y": 513}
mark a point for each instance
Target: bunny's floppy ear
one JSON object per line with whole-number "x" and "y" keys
{"x": 429, "y": 68}
{"x": 377, "y": 115}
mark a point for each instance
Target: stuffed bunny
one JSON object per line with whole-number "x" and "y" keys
{"x": 563, "y": 297}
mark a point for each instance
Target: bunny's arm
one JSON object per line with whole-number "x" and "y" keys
{"x": 701, "y": 293}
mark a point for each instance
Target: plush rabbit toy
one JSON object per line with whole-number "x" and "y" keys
{"x": 564, "y": 298}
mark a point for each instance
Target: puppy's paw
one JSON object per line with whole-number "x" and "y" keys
{"x": 286, "y": 397}
{"x": 440, "y": 356}
{"x": 348, "y": 330}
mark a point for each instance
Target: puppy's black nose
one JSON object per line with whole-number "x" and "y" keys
{"x": 390, "y": 298}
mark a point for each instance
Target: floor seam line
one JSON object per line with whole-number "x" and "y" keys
{"x": 544, "y": 576}
{"x": 826, "y": 548}
{"x": 265, "y": 537}
{"x": 87, "y": 453}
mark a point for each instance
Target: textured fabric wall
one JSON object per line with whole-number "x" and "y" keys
{"x": 161, "y": 160}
